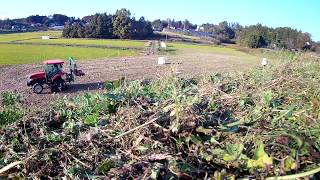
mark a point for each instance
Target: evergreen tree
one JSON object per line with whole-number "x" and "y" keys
{"x": 142, "y": 28}
{"x": 122, "y": 25}
{"x": 66, "y": 31}
{"x": 104, "y": 26}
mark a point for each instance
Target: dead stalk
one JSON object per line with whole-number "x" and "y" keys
{"x": 136, "y": 128}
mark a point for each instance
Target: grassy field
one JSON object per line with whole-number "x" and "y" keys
{"x": 25, "y": 54}
{"x": 35, "y": 37}
{"x": 28, "y": 35}
{"x": 176, "y": 48}
{"x": 179, "y": 35}
{"x": 23, "y": 48}
{"x": 104, "y": 42}
{"x": 39, "y": 50}
{"x": 211, "y": 48}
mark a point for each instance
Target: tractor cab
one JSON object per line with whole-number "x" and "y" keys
{"x": 54, "y": 76}
{"x": 52, "y": 69}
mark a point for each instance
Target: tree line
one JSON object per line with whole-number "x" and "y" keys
{"x": 120, "y": 25}
{"x": 37, "y": 22}
{"x": 56, "y": 19}
{"x": 257, "y": 36}
{"x": 224, "y": 32}
{"x": 159, "y": 24}
{"x": 254, "y": 36}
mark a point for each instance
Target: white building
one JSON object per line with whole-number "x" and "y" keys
{"x": 45, "y": 37}
{"x": 200, "y": 28}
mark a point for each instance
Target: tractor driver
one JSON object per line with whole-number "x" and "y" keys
{"x": 52, "y": 70}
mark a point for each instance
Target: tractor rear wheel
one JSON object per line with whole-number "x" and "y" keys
{"x": 63, "y": 85}
{"x": 59, "y": 85}
{"x": 37, "y": 88}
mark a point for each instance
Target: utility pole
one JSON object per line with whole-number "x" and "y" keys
{"x": 168, "y": 27}
{"x": 166, "y": 37}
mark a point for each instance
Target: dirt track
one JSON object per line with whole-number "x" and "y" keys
{"x": 13, "y": 78}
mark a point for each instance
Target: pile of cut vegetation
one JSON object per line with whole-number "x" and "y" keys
{"x": 257, "y": 124}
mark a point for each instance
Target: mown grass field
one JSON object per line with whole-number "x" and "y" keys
{"x": 106, "y": 43}
{"x": 211, "y": 48}
{"x": 28, "y": 35}
{"x": 25, "y": 54}
{"x": 178, "y": 35}
{"x": 14, "y": 50}
{"x": 177, "y": 48}
{"x": 24, "y": 48}
{"x": 35, "y": 37}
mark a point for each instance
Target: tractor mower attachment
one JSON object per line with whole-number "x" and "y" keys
{"x": 53, "y": 76}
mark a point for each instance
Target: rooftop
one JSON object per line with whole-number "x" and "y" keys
{"x": 53, "y": 61}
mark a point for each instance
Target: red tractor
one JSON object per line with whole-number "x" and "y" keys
{"x": 53, "y": 76}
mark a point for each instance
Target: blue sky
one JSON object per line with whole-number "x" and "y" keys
{"x": 300, "y": 14}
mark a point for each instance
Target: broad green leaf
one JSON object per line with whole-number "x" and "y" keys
{"x": 213, "y": 140}
{"x": 290, "y": 164}
{"x": 262, "y": 159}
{"x": 91, "y": 120}
{"x": 267, "y": 97}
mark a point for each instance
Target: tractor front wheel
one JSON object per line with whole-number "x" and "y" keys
{"x": 37, "y": 88}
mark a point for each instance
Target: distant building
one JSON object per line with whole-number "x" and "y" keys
{"x": 156, "y": 29}
{"x": 200, "y": 28}
{"x": 45, "y": 37}
{"x": 57, "y": 28}
{"x": 18, "y": 28}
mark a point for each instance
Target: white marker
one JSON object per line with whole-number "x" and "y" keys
{"x": 264, "y": 62}
{"x": 161, "y": 60}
